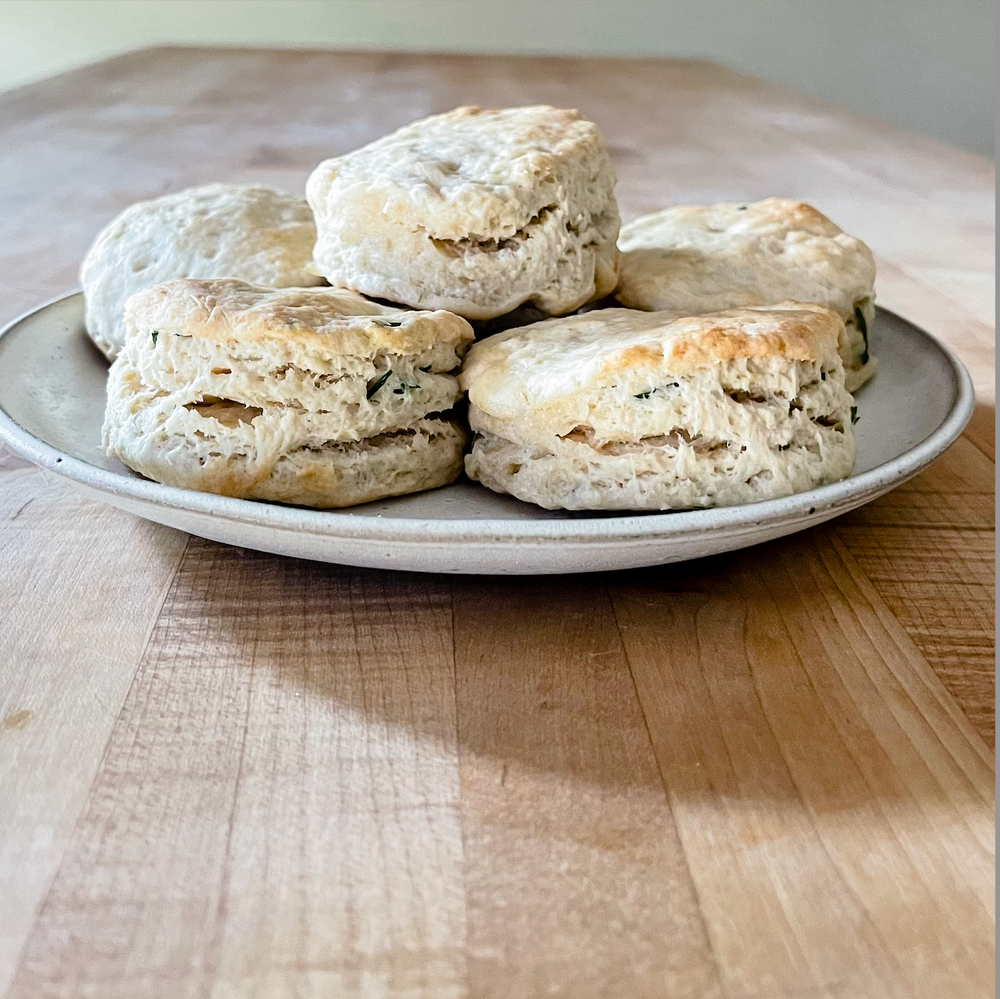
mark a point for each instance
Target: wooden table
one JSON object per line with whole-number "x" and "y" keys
{"x": 227, "y": 774}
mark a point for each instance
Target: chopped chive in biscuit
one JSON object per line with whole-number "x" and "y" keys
{"x": 376, "y": 383}
{"x": 862, "y": 325}
{"x": 659, "y": 388}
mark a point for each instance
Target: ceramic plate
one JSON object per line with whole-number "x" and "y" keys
{"x": 52, "y": 401}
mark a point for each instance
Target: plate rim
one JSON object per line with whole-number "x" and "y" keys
{"x": 846, "y": 494}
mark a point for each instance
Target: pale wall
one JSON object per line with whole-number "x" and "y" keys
{"x": 922, "y": 64}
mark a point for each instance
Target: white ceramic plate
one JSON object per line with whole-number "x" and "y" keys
{"x": 52, "y": 402}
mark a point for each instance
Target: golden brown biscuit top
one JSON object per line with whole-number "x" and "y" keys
{"x": 334, "y": 321}
{"x": 540, "y": 363}
{"x": 774, "y": 215}
{"x": 471, "y": 173}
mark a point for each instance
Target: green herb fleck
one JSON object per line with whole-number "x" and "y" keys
{"x": 376, "y": 383}
{"x": 854, "y": 414}
{"x": 659, "y": 388}
{"x": 386, "y": 322}
{"x": 404, "y": 387}
{"x": 156, "y": 333}
{"x": 862, "y": 325}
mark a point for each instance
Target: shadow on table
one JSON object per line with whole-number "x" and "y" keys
{"x": 740, "y": 678}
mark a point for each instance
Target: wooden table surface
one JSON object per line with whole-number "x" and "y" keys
{"x": 227, "y": 774}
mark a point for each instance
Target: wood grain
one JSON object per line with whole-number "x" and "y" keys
{"x": 762, "y": 775}
{"x": 928, "y": 549}
{"x": 565, "y": 872}
{"x": 788, "y": 749}
{"x": 285, "y": 799}
{"x": 67, "y": 569}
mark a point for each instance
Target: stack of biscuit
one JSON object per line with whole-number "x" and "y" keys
{"x": 614, "y": 410}
{"x": 316, "y": 351}
{"x": 318, "y": 397}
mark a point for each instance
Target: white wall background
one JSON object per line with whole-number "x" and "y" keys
{"x": 927, "y": 65}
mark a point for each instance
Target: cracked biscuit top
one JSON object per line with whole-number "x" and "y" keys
{"x": 538, "y": 369}
{"x": 474, "y": 211}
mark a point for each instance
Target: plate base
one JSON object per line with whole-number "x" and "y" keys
{"x": 52, "y": 404}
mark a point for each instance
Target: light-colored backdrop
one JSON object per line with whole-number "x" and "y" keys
{"x": 927, "y": 65}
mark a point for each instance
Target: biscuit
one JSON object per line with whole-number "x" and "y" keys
{"x": 626, "y": 410}
{"x": 252, "y": 233}
{"x": 473, "y": 211}
{"x": 705, "y": 258}
{"x": 316, "y": 397}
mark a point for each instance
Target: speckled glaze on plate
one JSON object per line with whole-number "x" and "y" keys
{"x": 52, "y": 403}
